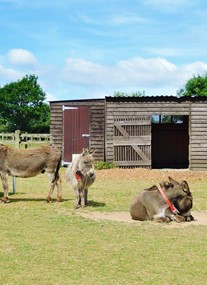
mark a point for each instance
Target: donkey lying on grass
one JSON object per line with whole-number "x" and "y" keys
{"x": 150, "y": 204}
{"x": 28, "y": 163}
{"x": 81, "y": 175}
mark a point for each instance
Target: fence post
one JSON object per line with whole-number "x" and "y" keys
{"x": 17, "y": 138}
{"x": 17, "y": 145}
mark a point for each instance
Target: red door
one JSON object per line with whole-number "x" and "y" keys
{"x": 76, "y": 131}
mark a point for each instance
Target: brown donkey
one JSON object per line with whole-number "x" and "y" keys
{"x": 149, "y": 204}
{"x": 28, "y": 163}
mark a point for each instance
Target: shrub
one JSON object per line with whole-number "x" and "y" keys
{"x": 104, "y": 165}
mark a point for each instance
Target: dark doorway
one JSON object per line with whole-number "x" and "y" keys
{"x": 76, "y": 131}
{"x": 170, "y": 141}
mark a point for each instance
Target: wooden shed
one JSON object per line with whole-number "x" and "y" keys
{"x": 150, "y": 132}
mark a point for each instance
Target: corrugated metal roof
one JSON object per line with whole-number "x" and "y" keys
{"x": 79, "y": 100}
{"x": 161, "y": 98}
{"x": 156, "y": 99}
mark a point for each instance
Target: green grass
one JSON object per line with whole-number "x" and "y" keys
{"x": 52, "y": 244}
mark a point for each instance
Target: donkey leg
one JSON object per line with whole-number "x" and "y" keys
{"x": 82, "y": 198}
{"x": 4, "y": 179}
{"x": 86, "y": 196}
{"x": 52, "y": 186}
{"x": 138, "y": 211}
{"x": 59, "y": 189}
{"x": 77, "y": 201}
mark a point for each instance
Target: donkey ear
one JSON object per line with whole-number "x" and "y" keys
{"x": 85, "y": 152}
{"x": 92, "y": 150}
{"x": 185, "y": 186}
{"x": 172, "y": 181}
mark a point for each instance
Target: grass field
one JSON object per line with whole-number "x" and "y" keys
{"x": 52, "y": 244}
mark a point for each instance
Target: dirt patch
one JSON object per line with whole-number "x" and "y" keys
{"x": 200, "y": 218}
{"x": 150, "y": 174}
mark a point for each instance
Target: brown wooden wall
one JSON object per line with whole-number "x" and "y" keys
{"x": 136, "y": 107}
{"x": 198, "y": 136}
{"x": 97, "y": 116}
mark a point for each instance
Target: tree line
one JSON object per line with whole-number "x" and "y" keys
{"x": 23, "y": 106}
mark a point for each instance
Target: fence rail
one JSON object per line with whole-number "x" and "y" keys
{"x": 19, "y": 137}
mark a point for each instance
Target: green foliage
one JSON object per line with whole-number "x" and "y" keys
{"x": 104, "y": 165}
{"x": 125, "y": 94}
{"x": 196, "y": 86}
{"x": 22, "y": 107}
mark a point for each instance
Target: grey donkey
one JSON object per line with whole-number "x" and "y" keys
{"x": 149, "y": 204}
{"x": 81, "y": 175}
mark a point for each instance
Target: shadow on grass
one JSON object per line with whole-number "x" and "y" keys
{"x": 95, "y": 204}
{"x": 13, "y": 199}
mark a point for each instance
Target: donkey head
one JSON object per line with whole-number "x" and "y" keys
{"x": 86, "y": 164}
{"x": 184, "y": 201}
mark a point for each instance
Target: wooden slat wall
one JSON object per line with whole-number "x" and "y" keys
{"x": 198, "y": 136}
{"x": 138, "y": 109}
{"x": 97, "y": 111}
{"x": 102, "y": 123}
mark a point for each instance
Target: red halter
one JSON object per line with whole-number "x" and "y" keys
{"x": 172, "y": 207}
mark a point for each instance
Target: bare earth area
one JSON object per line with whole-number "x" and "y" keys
{"x": 200, "y": 218}
{"x": 155, "y": 175}
{"x": 148, "y": 175}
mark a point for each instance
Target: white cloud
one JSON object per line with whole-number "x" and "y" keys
{"x": 78, "y": 76}
{"x": 21, "y": 57}
{"x": 133, "y": 74}
{"x": 8, "y": 74}
{"x": 134, "y": 71}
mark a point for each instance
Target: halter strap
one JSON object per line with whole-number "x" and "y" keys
{"x": 172, "y": 207}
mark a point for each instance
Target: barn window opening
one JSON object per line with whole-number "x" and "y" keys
{"x": 170, "y": 141}
{"x": 168, "y": 119}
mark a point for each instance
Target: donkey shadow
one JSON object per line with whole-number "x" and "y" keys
{"x": 94, "y": 204}
{"x": 14, "y": 199}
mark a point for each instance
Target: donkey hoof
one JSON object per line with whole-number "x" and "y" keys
{"x": 179, "y": 219}
{"x": 161, "y": 220}
{"x": 48, "y": 200}
{"x": 59, "y": 199}
{"x": 77, "y": 207}
{"x": 189, "y": 218}
{"x": 5, "y": 200}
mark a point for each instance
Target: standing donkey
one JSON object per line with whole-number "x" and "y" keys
{"x": 81, "y": 175}
{"x": 28, "y": 163}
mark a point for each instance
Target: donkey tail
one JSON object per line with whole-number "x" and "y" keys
{"x": 56, "y": 175}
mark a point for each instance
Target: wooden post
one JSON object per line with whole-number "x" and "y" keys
{"x": 17, "y": 138}
{"x": 14, "y": 184}
{"x": 17, "y": 145}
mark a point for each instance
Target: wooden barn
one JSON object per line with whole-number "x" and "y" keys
{"x": 151, "y": 132}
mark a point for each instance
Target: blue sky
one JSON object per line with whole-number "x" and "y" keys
{"x": 90, "y": 49}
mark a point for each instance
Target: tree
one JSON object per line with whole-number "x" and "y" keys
{"x": 22, "y": 106}
{"x": 196, "y": 86}
{"x": 125, "y": 94}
